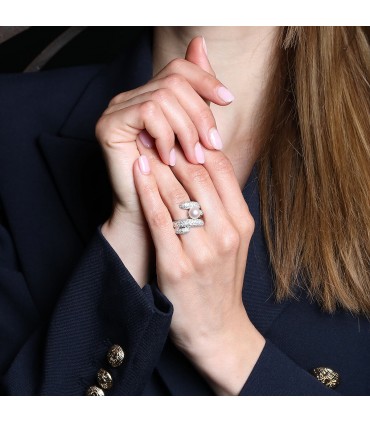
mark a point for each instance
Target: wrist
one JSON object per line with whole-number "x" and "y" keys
{"x": 131, "y": 240}
{"x": 228, "y": 360}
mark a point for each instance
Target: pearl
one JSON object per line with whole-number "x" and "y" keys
{"x": 194, "y": 212}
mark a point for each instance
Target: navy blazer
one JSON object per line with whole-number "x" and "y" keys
{"x": 66, "y": 297}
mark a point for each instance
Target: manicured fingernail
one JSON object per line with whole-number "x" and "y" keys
{"x": 225, "y": 94}
{"x": 205, "y": 46}
{"x": 144, "y": 165}
{"x": 199, "y": 153}
{"x": 215, "y": 138}
{"x": 172, "y": 157}
{"x": 146, "y": 139}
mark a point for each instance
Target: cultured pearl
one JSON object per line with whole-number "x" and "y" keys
{"x": 194, "y": 213}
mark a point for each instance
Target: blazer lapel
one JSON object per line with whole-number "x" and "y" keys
{"x": 73, "y": 155}
{"x": 130, "y": 70}
{"x": 79, "y": 174}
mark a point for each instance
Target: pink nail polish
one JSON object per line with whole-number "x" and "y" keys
{"x": 172, "y": 157}
{"x": 225, "y": 95}
{"x": 199, "y": 153}
{"x": 215, "y": 139}
{"x": 146, "y": 139}
{"x": 144, "y": 165}
{"x": 205, "y": 46}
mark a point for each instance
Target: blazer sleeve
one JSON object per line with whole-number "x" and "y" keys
{"x": 101, "y": 305}
{"x": 276, "y": 374}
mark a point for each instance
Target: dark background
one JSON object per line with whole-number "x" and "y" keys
{"x": 19, "y": 46}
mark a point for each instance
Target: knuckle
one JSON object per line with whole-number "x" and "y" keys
{"x": 230, "y": 241}
{"x": 162, "y": 95}
{"x": 199, "y": 175}
{"x": 174, "y": 80}
{"x": 158, "y": 219}
{"x": 207, "y": 80}
{"x": 190, "y": 131}
{"x": 149, "y": 189}
{"x": 148, "y": 109}
{"x": 223, "y": 165}
{"x": 119, "y": 98}
{"x": 169, "y": 136}
{"x": 247, "y": 224}
{"x": 178, "y": 195}
{"x": 166, "y": 139}
{"x": 182, "y": 270}
{"x": 101, "y": 129}
{"x": 176, "y": 64}
{"x": 204, "y": 114}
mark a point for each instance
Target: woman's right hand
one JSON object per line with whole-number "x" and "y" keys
{"x": 170, "y": 106}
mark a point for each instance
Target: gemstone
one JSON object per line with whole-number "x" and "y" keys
{"x": 194, "y": 212}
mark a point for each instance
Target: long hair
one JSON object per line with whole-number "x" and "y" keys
{"x": 314, "y": 171}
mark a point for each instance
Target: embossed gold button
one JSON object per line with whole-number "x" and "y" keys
{"x": 327, "y": 376}
{"x": 95, "y": 391}
{"x": 105, "y": 379}
{"x": 115, "y": 356}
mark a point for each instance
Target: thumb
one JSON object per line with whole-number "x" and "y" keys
{"x": 197, "y": 54}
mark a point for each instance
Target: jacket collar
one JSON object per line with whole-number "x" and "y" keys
{"x": 73, "y": 156}
{"x": 75, "y": 144}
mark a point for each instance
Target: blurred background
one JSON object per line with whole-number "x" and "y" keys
{"x": 33, "y": 49}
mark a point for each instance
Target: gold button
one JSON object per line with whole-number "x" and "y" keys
{"x": 105, "y": 379}
{"x": 115, "y": 356}
{"x": 327, "y": 376}
{"x": 94, "y": 391}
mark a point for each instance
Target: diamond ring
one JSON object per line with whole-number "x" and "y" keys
{"x": 182, "y": 226}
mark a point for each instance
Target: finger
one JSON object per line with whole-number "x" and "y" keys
{"x": 156, "y": 213}
{"x": 199, "y": 113}
{"x": 198, "y": 184}
{"x": 197, "y": 53}
{"x": 172, "y": 193}
{"x": 222, "y": 174}
{"x": 178, "y": 119}
{"x": 126, "y": 124}
{"x": 205, "y": 84}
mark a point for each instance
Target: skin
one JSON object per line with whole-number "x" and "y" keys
{"x": 240, "y": 58}
{"x": 151, "y": 174}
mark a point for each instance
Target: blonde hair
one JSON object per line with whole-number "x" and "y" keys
{"x": 315, "y": 166}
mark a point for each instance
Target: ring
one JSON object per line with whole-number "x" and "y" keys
{"x": 194, "y": 209}
{"x": 182, "y": 226}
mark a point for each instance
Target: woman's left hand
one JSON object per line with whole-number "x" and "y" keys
{"x": 202, "y": 272}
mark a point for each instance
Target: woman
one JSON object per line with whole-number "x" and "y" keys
{"x": 194, "y": 321}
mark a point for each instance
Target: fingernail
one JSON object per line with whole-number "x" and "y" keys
{"x": 215, "y": 138}
{"x": 225, "y": 94}
{"x": 205, "y": 46}
{"x": 146, "y": 139}
{"x": 144, "y": 165}
{"x": 199, "y": 153}
{"x": 172, "y": 157}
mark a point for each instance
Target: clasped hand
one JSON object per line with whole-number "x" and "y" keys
{"x": 200, "y": 272}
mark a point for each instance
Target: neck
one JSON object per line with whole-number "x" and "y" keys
{"x": 240, "y": 57}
